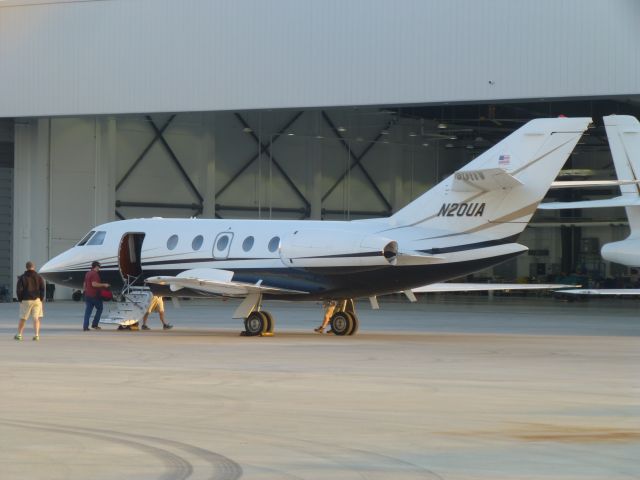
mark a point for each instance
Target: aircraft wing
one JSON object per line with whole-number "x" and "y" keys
{"x": 218, "y": 282}
{"x": 601, "y": 291}
{"x": 480, "y": 287}
{"x": 622, "y": 201}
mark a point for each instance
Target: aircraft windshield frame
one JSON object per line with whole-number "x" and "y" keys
{"x": 98, "y": 238}
{"x": 86, "y": 238}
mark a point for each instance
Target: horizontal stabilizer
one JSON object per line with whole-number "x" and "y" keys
{"x": 592, "y": 183}
{"x": 218, "y": 282}
{"x": 622, "y": 201}
{"x": 483, "y": 180}
{"x": 480, "y": 287}
{"x": 601, "y": 291}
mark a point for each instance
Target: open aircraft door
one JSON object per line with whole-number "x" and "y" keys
{"x": 129, "y": 258}
{"x": 135, "y": 298}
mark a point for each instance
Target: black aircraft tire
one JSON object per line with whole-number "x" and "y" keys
{"x": 356, "y": 324}
{"x": 341, "y": 323}
{"x": 270, "y": 322}
{"x": 255, "y": 324}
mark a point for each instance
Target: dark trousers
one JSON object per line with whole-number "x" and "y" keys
{"x": 90, "y": 304}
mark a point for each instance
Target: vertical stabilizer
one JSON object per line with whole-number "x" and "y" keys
{"x": 497, "y": 193}
{"x": 623, "y": 132}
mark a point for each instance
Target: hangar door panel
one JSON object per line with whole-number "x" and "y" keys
{"x": 6, "y": 226}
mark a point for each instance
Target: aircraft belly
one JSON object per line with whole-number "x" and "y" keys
{"x": 396, "y": 279}
{"x": 320, "y": 282}
{"x": 332, "y": 282}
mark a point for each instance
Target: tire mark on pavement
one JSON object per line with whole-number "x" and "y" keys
{"x": 176, "y": 467}
{"x": 220, "y": 467}
{"x": 335, "y": 453}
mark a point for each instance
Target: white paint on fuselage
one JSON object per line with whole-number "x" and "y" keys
{"x": 158, "y": 231}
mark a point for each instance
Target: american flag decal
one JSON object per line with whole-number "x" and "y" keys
{"x": 504, "y": 159}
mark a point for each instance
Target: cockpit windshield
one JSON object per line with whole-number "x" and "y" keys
{"x": 98, "y": 238}
{"x": 86, "y": 238}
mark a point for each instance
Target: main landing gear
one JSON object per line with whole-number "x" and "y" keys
{"x": 256, "y": 321}
{"x": 259, "y": 322}
{"x": 344, "y": 320}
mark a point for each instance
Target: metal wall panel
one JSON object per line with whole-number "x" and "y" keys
{"x": 6, "y": 228}
{"x": 117, "y": 56}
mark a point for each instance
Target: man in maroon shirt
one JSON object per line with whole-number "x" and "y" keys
{"x": 92, "y": 298}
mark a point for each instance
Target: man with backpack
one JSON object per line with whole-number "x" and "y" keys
{"x": 30, "y": 292}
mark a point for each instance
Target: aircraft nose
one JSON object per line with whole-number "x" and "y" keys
{"x": 46, "y": 268}
{"x": 57, "y": 264}
{"x": 63, "y": 270}
{"x": 54, "y": 265}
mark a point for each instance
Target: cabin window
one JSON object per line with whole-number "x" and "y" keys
{"x": 172, "y": 242}
{"x": 222, "y": 243}
{"x": 98, "y": 238}
{"x": 247, "y": 244}
{"x": 197, "y": 242}
{"x": 273, "y": 244}
{"x": 86, "y": 238}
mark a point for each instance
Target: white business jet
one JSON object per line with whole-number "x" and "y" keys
{"x": 623, "y": 133}
{"x": 468, "y": 222}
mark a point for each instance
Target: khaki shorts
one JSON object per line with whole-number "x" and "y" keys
{"x": 31, "y": 308}
{"x": 157, "y": 305}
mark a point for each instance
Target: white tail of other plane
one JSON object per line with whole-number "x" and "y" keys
{"x": 496, "y": 194}
{"x": 623, "y": 132}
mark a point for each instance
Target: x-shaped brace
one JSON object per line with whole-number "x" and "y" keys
{"x": 356, "y": 161}
{"x": 265, "y": 148}
{"x": 159, "y": 136}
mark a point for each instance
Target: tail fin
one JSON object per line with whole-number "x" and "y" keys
{"x": 623, "y": 132}
{"x": 498, "y": 192}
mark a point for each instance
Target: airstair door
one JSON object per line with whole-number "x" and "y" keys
{"x": 129, "y": 258}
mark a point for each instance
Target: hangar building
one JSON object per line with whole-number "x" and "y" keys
{"x": 296, "y": 109}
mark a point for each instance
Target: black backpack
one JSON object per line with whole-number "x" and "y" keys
{"x": 27, "y": 286}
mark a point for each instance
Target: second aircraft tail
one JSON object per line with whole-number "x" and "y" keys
{"x": 623, "y": 133}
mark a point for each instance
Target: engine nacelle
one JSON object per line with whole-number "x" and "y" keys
{"x": 335, "y": 248}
